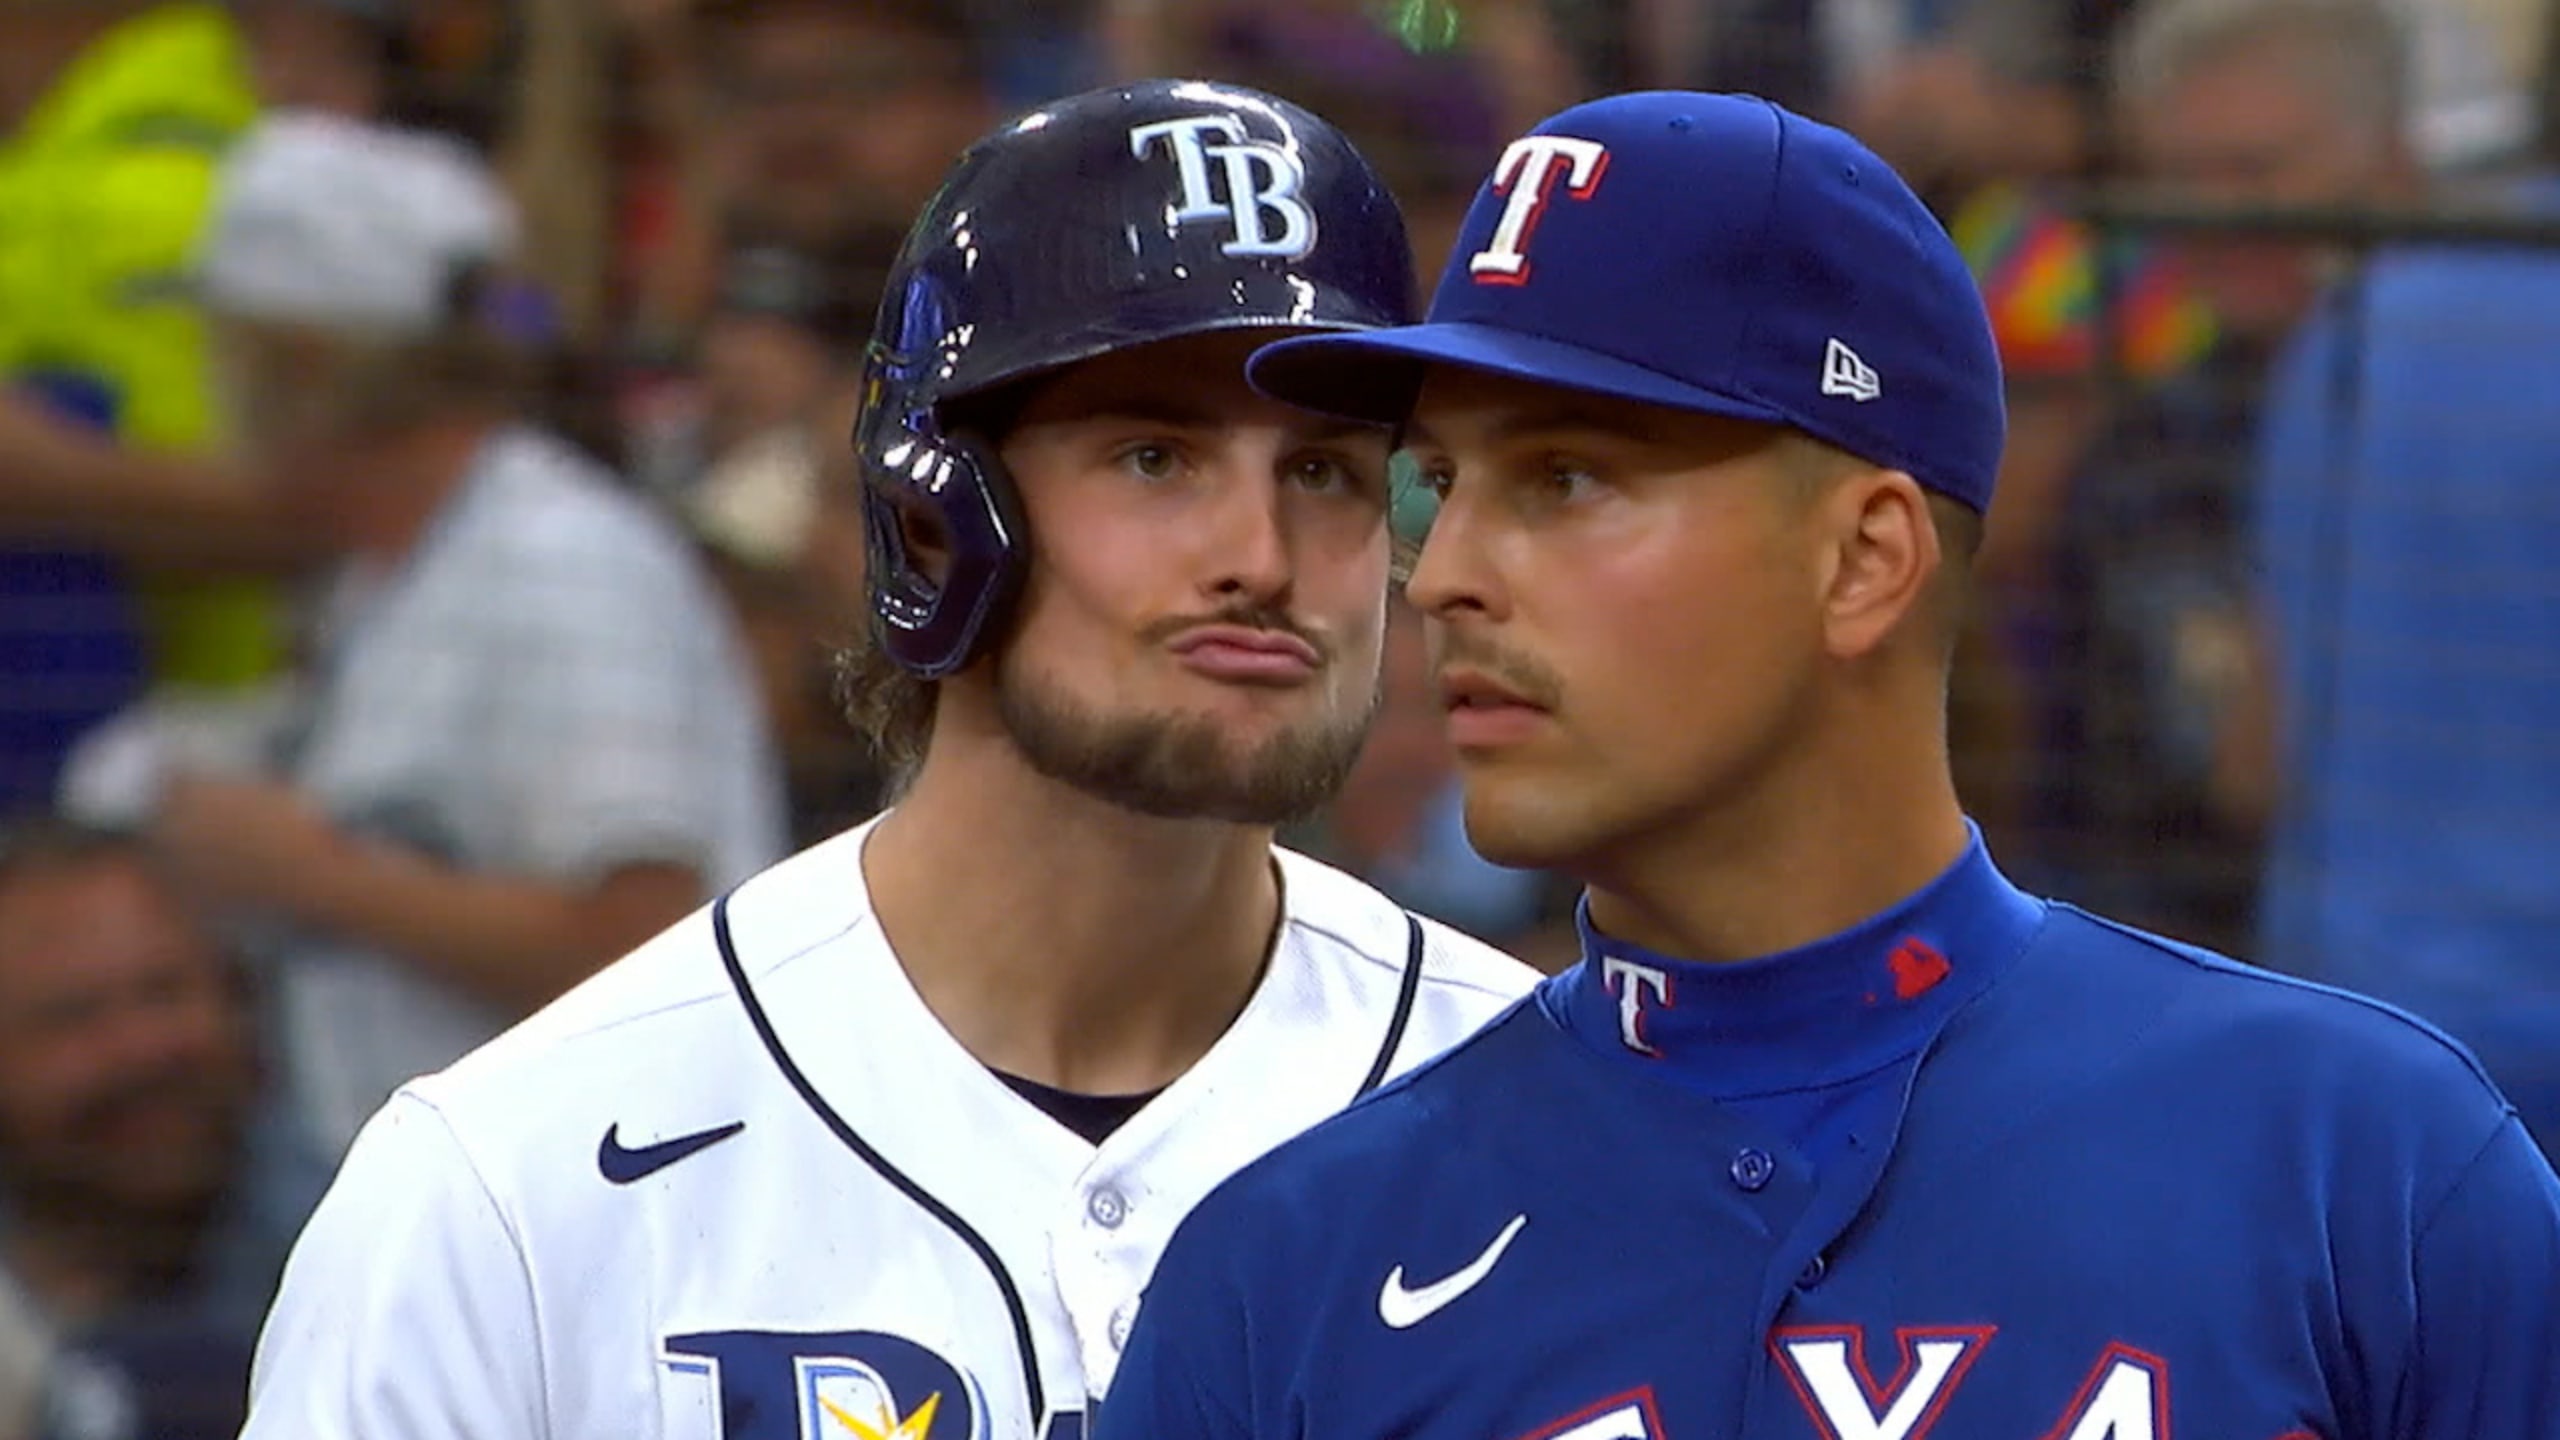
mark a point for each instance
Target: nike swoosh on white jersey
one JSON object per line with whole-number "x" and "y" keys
{"x": 1400, "y": 1307}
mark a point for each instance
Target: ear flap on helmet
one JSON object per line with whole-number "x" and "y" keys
{"x": 913, "y": 471}
{"x": 957, "y": 485}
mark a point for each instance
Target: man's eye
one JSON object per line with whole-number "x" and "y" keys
{"x": 1569, "y": 479}
{"x": 1323, "y": 474}
{"x": 1151, "y": 462}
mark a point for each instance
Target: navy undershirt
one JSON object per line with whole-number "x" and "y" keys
{"x": 1092, "y": 1116}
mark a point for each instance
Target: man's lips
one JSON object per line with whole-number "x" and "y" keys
{"x": 1241, "y": 652}
{"x": 1485, "y": 712}
{"x": 1462, "y": 689}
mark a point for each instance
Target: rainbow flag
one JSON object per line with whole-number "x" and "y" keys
{"x": 2038, "y": 269}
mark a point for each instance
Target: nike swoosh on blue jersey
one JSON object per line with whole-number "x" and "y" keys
{"x": 623, "y": 1166}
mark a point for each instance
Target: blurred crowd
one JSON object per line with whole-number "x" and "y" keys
{"x": 425, "y": 524}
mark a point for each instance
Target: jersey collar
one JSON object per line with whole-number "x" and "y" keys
{"x": 1817, "y": 1015}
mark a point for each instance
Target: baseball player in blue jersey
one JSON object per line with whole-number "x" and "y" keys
{"x": 1833, "y": 1132}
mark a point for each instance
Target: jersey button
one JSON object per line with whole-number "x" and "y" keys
{"x": 1752, "y": 1169}
{"x": 1814, "y": 1270}
{"x": 1106, "y": 1207}
{"x": 1121, "y": 1320}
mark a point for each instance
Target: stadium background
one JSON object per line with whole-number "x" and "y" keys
{"x": 2268, "y": 649}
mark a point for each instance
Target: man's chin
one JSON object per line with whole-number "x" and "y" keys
{"x": 1182, "y": 764}
{"x": 1511, "y": 829}
{"x": 1269, "y": 788}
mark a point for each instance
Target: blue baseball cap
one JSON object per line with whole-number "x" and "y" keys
{"x": 1713, "y": 253}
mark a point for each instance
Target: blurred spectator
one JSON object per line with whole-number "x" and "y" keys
{"x": 2407, "y": 533}
{"x": 65, "y": 480}
{"x": 1958, "y": 93}
{"x": 789, "y": 555}
{"x": 808, "y": 124}
{"x": 2270, "y": 102}
{"x": 2069, "y": 316}
{"x": 1456, "y": 74}
{"x": 2474, "y": 68}
{"x": 1038, "y": 50}
{"x": 761, "y": 469}
{"x": 147, "y": 1197}
{"x": 533, "y": 740}
{"x": 831, "y": 118}
{"x": 2115, "y": 569}
{"x": 1952, "y": 91}
{"x": 1398, "y": 822}
{"x": 785, "y": 333}
{"x": 2410, "y": 536}
{"x": 1430, "y": 91}
{"x": 332, "y": 56}
{"x": 456, "y": 67}
{"x": 115, "y": 116}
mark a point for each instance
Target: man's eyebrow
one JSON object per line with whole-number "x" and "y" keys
{"x": 1327, "y": 429}
{"x": 1173, "y": 413}
{"x": 1147, "y": 410}
{"x": 1565, "y": 417}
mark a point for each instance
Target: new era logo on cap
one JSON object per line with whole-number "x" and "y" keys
{"x": 1843, "y": 373}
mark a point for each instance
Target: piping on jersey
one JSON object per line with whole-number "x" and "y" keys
{"x": 1028, "y": 1353}
{"x": 1404, "y": 1007}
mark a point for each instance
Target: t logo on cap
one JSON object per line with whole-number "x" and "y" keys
{"x": 1527, "y": 172}
{"x": 1249, "y": 164}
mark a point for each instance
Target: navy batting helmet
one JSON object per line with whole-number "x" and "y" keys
{"x": 1114, "y": 218}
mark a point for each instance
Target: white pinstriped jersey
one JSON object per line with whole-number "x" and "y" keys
{"x": 744, "y": 1186}
{"x": 549, "y": 687}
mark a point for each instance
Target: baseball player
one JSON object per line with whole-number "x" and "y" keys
{"x": 1833, "y": 1134}
{"x": 885, "y": 1143}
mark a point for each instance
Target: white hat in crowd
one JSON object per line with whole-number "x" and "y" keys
{"x": 343, "y": 225}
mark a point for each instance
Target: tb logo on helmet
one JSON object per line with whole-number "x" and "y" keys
{"x": 1263, "y": 181}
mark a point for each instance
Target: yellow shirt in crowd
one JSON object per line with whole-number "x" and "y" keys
{"x": 105, "y": 191}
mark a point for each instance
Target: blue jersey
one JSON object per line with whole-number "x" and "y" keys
{"x": 2038, "y": 1177}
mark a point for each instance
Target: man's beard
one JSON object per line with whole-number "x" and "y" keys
{"x": 1179, "y": 767}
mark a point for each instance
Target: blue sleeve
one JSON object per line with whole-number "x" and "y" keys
{"x": 1185, "y": 1371}
{"x": 2487, "y": 1274}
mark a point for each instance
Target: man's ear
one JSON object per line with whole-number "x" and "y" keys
{"x": 1884, "y": 554}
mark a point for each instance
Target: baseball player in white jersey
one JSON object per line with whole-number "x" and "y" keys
{"x": 885, "y": 1142}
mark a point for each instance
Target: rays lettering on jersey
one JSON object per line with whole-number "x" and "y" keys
{"x": 1263, "y": 181}
{"x": 2124, "y": 1397}
{"x": 838, "y": 1385}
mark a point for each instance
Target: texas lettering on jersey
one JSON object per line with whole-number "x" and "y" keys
{"x": 2125, "y": 1395}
